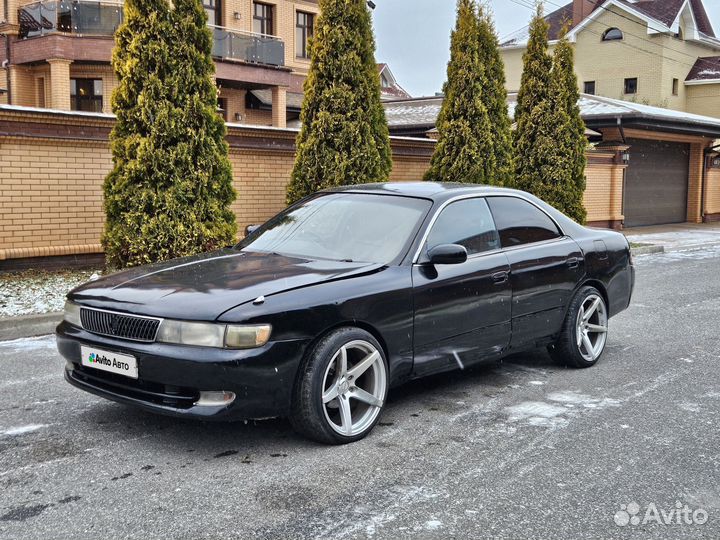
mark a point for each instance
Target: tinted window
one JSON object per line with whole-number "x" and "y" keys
{"x": 468, "y": 223}
{"x": 520, "y": 222}
{"x": 342, "y": 226}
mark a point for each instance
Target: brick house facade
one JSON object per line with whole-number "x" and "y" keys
{"x": 56, "y": 54}
{"x": 656, "y": 52}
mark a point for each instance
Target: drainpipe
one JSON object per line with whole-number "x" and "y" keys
{"x": 624, "y": 172}
{"x": 7, "y": 66}
{"x": 622, "y": 131}
{"x": 703, "y": 184}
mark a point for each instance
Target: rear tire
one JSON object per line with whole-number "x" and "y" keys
{"x": 341, "y": 387}
{"x": 582, "y": 339}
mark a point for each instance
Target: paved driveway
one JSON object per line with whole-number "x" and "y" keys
{"x": 524, "y": 449}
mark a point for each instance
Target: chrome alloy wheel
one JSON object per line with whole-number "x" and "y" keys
{"x": 591, "y": 327}
{"x": 354, "y": 388}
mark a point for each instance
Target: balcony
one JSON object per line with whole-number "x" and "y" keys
{"x": 88, "y": 18}
{"x": 247, "y": 47}
{"x": 70, "y": 17}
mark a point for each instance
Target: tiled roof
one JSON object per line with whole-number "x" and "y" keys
{"x": 423, "y": 112}
{"x": 707, "y": 68}
{"x": 413, "y": 112}
{"x": 294, "y": 99}
{"x": 664, "y": 11}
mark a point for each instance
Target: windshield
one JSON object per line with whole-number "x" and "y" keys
{"x": 342, "y": 226}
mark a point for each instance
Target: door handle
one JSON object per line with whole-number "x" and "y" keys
{"x": 573, "y": 262}
{"x": 500, "y": 277}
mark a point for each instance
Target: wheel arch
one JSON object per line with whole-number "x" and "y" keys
{"x": 600, "y": 286}
{"x": 362, "y": 325}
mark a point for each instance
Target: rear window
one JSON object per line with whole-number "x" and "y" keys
{"x": 520, "y": 222}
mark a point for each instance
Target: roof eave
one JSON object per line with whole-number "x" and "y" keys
{"x": 652, "y": 123}
{"x": 695, "y": 82}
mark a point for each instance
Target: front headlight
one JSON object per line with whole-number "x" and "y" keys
{"x": 204, "y": 334}
{"x": 192, "y": 333}
{"x": 72, "y": 313}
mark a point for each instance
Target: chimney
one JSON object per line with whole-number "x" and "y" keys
{"x": 583, "y": 8}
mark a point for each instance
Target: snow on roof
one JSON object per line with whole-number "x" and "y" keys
{"x": 424, "y": 111}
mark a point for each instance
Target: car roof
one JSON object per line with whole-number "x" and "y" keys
{"x": 437, "y": 191}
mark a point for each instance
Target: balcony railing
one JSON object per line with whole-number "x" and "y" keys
{"x": 103, "y": 18}
{"x": 248, "y": 47}
{"x": 71, "y": 17}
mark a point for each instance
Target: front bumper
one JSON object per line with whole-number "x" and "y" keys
{"x": 171, "y": 377}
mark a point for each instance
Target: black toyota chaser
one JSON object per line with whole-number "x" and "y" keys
{"x": 324, "y": 308}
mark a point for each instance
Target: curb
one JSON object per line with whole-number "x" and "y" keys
{"x": 29, "y": 325}
{"x": 646, "y": 250}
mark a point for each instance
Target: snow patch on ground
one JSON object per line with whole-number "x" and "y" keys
{"x": 537, "y": 413}
{"x": 433, "y": 525}
{"x": 22, "y": 430}
{"x": 26, "y": 293}
{"x": 557, "y": 410}
{"x": 29, "y": 344}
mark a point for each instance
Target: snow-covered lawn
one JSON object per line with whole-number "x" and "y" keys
{"x": 33, "y": 291}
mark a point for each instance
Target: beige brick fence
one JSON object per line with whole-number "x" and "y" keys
{"x": 52, "y": 166}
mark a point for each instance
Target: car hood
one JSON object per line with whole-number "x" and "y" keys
{"x": 203, "y": 287}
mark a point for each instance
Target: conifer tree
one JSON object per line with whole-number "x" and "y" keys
{"x": 344, "y": 136}
{"x": 170, "y": 189}
{"x": 533, "y": 117}
{"x": 494, "y": 96}
{"x": 464, "y": 151}
{"x": 567, "y": 173}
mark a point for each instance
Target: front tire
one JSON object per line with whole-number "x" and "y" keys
{"x": 341, "y": 389}
{"x": 584, "y": 333}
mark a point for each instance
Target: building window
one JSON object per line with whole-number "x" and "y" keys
{"x": 631, "y": 86}
{"x": 304, "y": 23}
{"x": 213, "y": 8}
{"x": 589, "y": 87}
{"x": 86, "y": 95}
{"x": 676, "y": 87}
{"x": 612, "y": 34}
{"x": 262, "y": 18}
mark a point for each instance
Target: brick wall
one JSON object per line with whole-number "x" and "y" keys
{"x": 53, "y": 166}
{"x": 712, "y": 197}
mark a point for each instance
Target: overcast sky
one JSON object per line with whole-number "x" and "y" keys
{"x": 413, "y": 36}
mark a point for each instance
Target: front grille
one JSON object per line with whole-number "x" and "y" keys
{"x": 109, "y": 323}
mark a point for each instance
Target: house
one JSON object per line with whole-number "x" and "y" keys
{"x": 56, "y": 55}
{"x": 389, "y": 87}
{"x": 647, "y": 165}
{"x": 656, "y": 52}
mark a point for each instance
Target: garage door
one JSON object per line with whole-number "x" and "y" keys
{"x": 656, "y": 183}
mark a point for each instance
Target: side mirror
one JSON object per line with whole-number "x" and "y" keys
{"x": 250, "y": 229}
{"x": 447, "y": 254}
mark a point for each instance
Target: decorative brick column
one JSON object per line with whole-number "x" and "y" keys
{"x": 279, "y": 106}
{"x": 60, "y": 83}
{"x": 12, "y": 11}
{"x": 695, "y": 178}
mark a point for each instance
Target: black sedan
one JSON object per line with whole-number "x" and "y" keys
{"x": 322, "y": 309}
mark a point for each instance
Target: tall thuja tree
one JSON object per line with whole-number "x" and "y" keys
{"x": 464, "y": 151}
{"x": 494, "y": 96}
{"x": 532, "y": 120}
{"x": 344, "y": 136}
{"x": 565, "y": 174}
{"x": 170, "y": 189}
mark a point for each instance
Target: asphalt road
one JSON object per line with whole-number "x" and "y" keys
{"x": 523, "y": 449}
